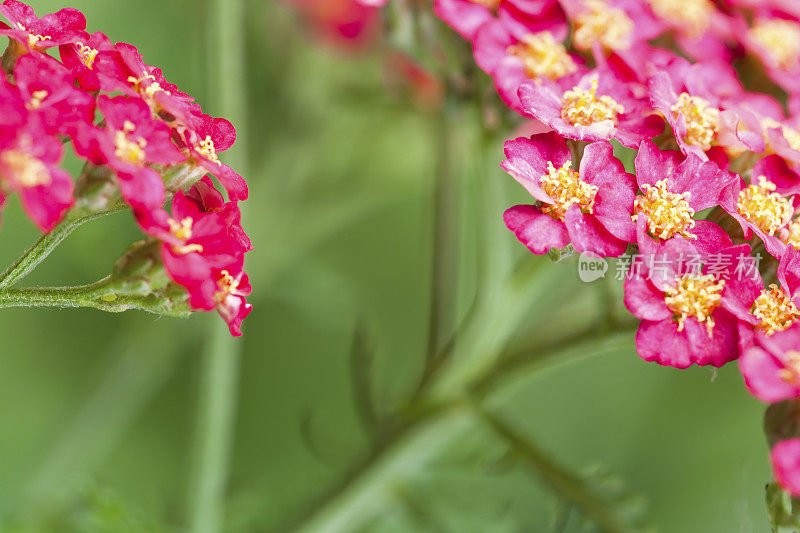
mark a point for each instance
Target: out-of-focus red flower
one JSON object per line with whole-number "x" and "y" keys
{"x": 348, "y": 24}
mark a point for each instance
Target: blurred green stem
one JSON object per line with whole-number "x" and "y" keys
{"x": 444, "y": 255}
{"x": 216, "y": 413}
{"x": 226, "y": 24}
{"x": 49, "y": 241}
{"x": 564, "y": 483}
{"x": 426, "y": 435}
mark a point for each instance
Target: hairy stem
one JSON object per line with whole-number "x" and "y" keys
{"x": 48, "y": 242}
{"x": 100, "y": 295}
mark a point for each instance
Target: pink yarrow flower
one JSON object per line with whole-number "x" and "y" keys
{"x": 231, "y": 298}
{"x": 693, "y": 307}
{"x": 203, "y": 248}
{"x": 514, "y": 59}
{"x": 775, "y": 41}
{"x": 520, "y": 16}
{"x": 136, "y": 78}
{"x": 233, "y": 285}
{"x": 48, "y": 90}
{"x": 130, "y": 141}
{"x": 771, "y": 367}
{"x": 611, "y": 26}
{"x": 207, "y": 137}
{"x": 700, "y": 29}
{"x": 697, "y": 116}
{"x": 63, "y": 27}
{"x": 29, "y": 159}
{"x": 673, "y": 190}
{"x": 589, "y": 207}
{"x": 767, "y": 205}
{"x": 94, "y": 61}
{"x": 598, "y": 108}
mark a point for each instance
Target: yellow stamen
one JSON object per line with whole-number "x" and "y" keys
{"x": 780, "y": 38}
{"x": 152, "y": 88}
{"x": 127, "y": 149}
{"x": 543, "y": 56}
{"x": 227, "y": 285}
{"x": 489, "y": 4}
{"x": 582, "y": 107}
{"x": 701, "y": 119}
{"x": 791, "y": 372}
{"x": 566, "y": 188}
{"x": 183, "y": 231}
{"x": 36, "y": 100}
{"x": 761, "y": 205}
{"x": 668, "y": 214}
{"x": 28, "y": 171}
{"x": 206, "y": 149}
{"x": 611, "y": 27}
{"x": 692, "y": 16}
{"x": 87, "y": 54}
{"x": 695, "y": 295}
{"x": 33, "y": 38}
{"x": 775, "y": 310}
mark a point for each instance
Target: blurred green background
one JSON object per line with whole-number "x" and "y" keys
{"x": 99, "y": 413}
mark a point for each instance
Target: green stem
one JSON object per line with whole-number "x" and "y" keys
{"x": 215, "y": 426}
{"x": 217, "y": 407}
{"x": 100, "y": 295}
{"x": 48, "y": 242}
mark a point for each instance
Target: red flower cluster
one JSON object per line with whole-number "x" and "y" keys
{"x": 716, "y": 184}
{"x": 153, "y": 138}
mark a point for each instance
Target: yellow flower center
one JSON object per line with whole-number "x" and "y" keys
{"x": 775, "y": 310}
{"x": 206, "y": 149}
{"x": 609, "y": 26}
{"x": 566, "y": 188}
{"x": 152, "y": 88}
{"x": 780, "y": 39}
{"x": 692, "y": 16}
{"x": 581, "y": 107}
{"x": 695, "y": 295}
{"x": 791, "y": 373}
{"x": 36, "y": 100}
{"x": 183, "y": 231}
{"x": 33, "y": 38}
{"x": 227, "y": 285}
{"x": 761, "y": 205}
{"x": 701, "y": 119}
{"x": 543, "y": 56}
{"x": 668, "y": 214}
{"x": 28, "y": 171}
{"x": 127, "y": 149}
{"x": 87, "y": 53}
